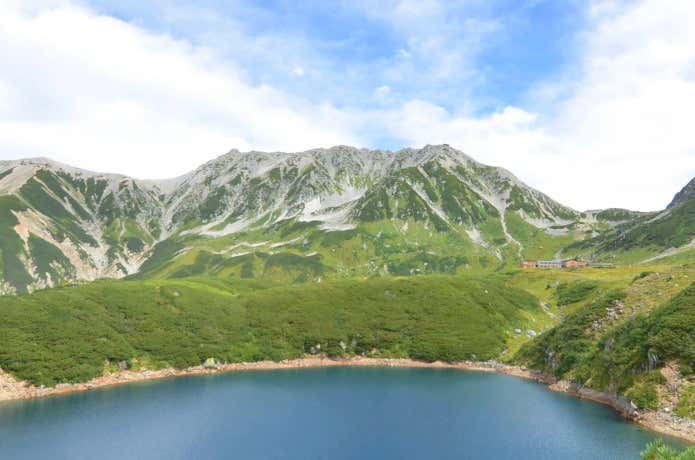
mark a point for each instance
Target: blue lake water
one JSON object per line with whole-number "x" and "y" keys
{"x": 330, "y": 413}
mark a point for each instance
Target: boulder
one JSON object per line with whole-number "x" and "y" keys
{"x": 211, "y": 363}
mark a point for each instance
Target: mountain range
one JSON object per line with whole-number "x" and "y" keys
{"x": 306, "y": 216}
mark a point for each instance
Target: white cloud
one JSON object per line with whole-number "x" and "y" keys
{"x": 382, "y": 92}
{"x": 298, "y": 71}
{"x": 630, "y": 117}
{"x": 441, "y": 39}
{"x": 511, "y": 138}
{"x": 627, "y": 127}
{"x": 620, "y": 133}
{"x": 103, "y": 94}
{"x": 403, "y": 54}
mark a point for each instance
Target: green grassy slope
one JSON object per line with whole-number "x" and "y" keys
{"x": 612, "y": 344}
{"x": 71, "y": 334}
{"x": 301, "y": 251}
{"x": 645, "y": 237}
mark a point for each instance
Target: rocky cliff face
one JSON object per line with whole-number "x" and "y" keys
{"x": 687, "y": 193}
{"x": 60, "y": 224}
{"x": 344, "y": 185}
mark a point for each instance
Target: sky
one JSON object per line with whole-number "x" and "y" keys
{"x": 589, "y": 101}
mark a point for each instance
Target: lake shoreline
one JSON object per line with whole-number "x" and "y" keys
{"x": 660, "y": 422}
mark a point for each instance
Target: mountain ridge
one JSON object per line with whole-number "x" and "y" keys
{"x": 403, "y": 211}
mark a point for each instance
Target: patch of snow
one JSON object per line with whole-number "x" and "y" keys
{"x": 659, "y": 216}
{"x": 336, "y": 227}
{"x": 285, "y": 243}
{"x": 348, "y": 195}
{"x": 670, "y": 252}
{"x": 244, "y": 244}
{"x": 312, "y": 206}
{"x": 229, "y": 229}
{"x": 474, "y": 235}
{"x": 333, "y": 218}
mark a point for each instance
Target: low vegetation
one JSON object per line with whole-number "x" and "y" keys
{"x": 686, "y": 404}
{"x": 70, "y": 334}
{"x": 658, "y": 450}
{"x": 569, "y": 293}
{"x": 605, "y": 346}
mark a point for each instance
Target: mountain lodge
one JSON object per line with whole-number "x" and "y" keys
{"x": 559, "y": 263}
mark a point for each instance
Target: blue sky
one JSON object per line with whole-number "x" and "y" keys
{"x": 596, "y": 91}
{"x": 486, "y": 55}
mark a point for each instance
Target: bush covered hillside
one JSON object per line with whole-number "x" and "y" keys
{"x": 658, "y": 450}
{"x": 73, "y": 334}
{"x": 643, "y": 356}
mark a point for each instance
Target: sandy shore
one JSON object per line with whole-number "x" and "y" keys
{"x": 660, "y": 422}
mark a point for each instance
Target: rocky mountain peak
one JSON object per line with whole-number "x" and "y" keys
{"x": 687, "y": 193}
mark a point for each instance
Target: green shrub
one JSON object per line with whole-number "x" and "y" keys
{"x": 569, "y": 293}
{"x": 569, "y": 345}
{"x": 686, "y": 403}
{"x": 642, "y": 275}
{"x": 658, "y": 450}
{"x": 644, "y": 395}
{"x": 616, "y": 358}
{"x": 655, "y": 377}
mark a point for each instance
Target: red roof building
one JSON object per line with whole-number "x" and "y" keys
{"x": 528, "y": 264}
{"x": 574, "y": 263}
